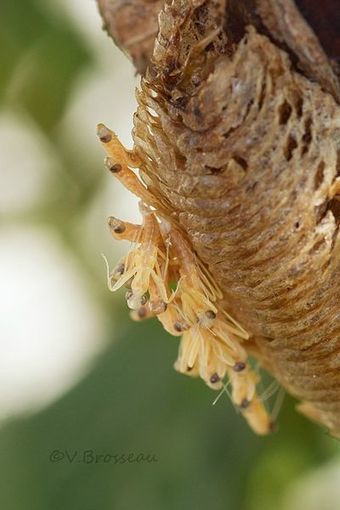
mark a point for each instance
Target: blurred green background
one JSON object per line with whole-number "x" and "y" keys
{"x": 75, "y": 373}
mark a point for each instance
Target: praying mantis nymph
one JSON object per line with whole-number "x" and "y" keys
{"x": 213, "y": 345}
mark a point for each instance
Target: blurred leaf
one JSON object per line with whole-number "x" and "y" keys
{"x": 41, "y": 60}
{"x": 298, "y": 447}
{"x": 20, "y": 24}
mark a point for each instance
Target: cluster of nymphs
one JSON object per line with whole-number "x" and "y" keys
{"x": 166, "y": 279}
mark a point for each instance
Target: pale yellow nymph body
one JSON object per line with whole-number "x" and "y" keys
{"x": 166, "y": 280}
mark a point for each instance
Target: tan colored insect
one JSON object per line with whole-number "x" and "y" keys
{"x": 212, "y": 341}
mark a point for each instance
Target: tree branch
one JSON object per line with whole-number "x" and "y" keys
{"x": 133, "y": 25}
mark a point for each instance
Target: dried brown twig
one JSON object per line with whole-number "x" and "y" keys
{"x": 133, "y": 25}
{"x": 237, "y": 137}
